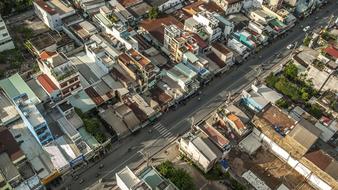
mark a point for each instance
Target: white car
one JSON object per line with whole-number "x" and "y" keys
{"x": 290, "y": 46}
{"x": 306, "y": 28}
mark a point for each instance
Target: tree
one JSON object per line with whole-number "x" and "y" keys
{"x": 291, "y": 71}
{"x": 153, "y": 13}
{"x": 179, "y": 177}
{"x": 271, "y": 80}
{"x": 282, "y": 103}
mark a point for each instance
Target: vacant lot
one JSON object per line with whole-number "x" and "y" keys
{"x": 268, "y": 168}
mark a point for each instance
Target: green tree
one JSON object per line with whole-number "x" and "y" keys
{"x": 271, "y": 80}
{"x": 282, "y": 103}
{"x": 153, "y": 13}
{"x": 179, "y": 177}
{"x": 291, "y": 71}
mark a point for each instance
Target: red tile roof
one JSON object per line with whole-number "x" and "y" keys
{"x": 47, "y": 83}
{"x": 201, "y": 43}
{"x": 9, "y": 145}
{"x": 156, "y": 27}
{"x": 160, "y": 96}
{"x": 221, "y": 48}
{"x": 214, "y": 135}
{"x": 216, "y": 59}
{"x": 332, "y": 51}
{"x": 46, "y": 54}
{"x": 45, "y": 7}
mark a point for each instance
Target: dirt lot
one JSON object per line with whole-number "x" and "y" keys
{"x": 268, "y": 168}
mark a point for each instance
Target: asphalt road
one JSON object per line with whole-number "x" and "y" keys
{"x": 171, "y": 124}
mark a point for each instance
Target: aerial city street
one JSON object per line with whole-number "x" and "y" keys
{"x": 169, "y": 94}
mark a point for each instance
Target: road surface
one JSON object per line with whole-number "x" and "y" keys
{"x": 174, "y": 123}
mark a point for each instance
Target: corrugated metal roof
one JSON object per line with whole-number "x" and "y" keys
{"x": 15, "y": 86}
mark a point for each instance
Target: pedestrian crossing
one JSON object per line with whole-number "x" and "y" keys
{"x": 162, "y": 130}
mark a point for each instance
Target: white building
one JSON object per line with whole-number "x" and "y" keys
{"x": 90, "y": 6}
{"x": 198, "y": 150}
{"x": 6, "y": 42}
{"x": 210, "y": 24}
{"x": 230, "y": 6}
{"x": 238, "y": 47}
{"x": 165, "y": 5}
{"x": 52, "y": 12}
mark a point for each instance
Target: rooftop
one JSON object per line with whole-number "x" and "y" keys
{"x": 47, "y": 83}
{"x": 55, "y": 6}
{"x": 279, "y": 120}
{"x": 8, "y": 112}
{"x": 128, "y": 177}
{"x": 29, "y": 110}
{"x": 156, "y": 26}
{"x": 236, "y": 120}
{"x": 221, "y": 48}
{"x": 332, "y": 51}
{"x": 15, "y": 86}
{"x": 153, "y": 179}
{"x": 9, "y": 145}
{"x": 56, "y": 156}
{"x": 7, "y": 168}
{"x": 204, "y": 148}
{"x": 324, "y": 161}
{"x": 305, "y": 133}
{"x": 214, "y": 135}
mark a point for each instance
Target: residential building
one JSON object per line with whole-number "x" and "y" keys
{"x": 184, "y": 77}
{"x": 62, "y": 74}
{"x": 295, "y": 143}
{"x": 195, "y": 148}
{"x": 238, "y": 47}
{"x": 230, "y": 6}
{"x": 8, "y": 113}
{"x": 245, "y": 38}
{"x": 90, "y": 6}
{"x": 223, "y": 53}
{"x": 259, "y": 16}
{"x": 209, "y": 23}
{"x": 3, "y": 183}
{"x": 167, "y": 6}
{"x": 51, "y": 12}
{"x": 121, "y": 12}
{"x": 50, "y": 41}
{"x": 10, "y": 173}
{"x": 197, "y": 64}
{"x": 259, "y": 97}
{"x": 6, "y": 42}
{"x": 147, "y": 179}
{"x": 104, "y": 56}
{"x": 33, "y": 119}
{"x": 139, "y": 69}
{"x": 177, "y": 42}
{"x": 82, "y": 31}
{"x": 11, "y": 147}
{"x": 14, "y": 86}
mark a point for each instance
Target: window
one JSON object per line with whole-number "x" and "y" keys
{"x": 5, "y": 34}
{"x": 2, "y": 27}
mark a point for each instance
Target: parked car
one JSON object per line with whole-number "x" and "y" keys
{"x": 290, "y": 46}
{"x": 307, "y": 28}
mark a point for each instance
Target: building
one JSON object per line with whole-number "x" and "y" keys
{"x": 50, "y": 41}
{"x": 223, "y": 53}
{"x": 230, "y": 6}
{"x": 245, "y": 38}
{"x": 177, "y": 42}
{"x": 8, "y": 113}
{"x": 51, "y": 12}
{"x": 207, "y": 22}
{"x": 6, "y": 42}
{"x": 195, "y": 148}
{"x": 259, "y": 97}
{"x": 11, "y": 147}
{"x": 168, "y": 6}
{"x": 238, "y": 47}
{"x": 90, "y": 6}
{"x": 127, "y": 180}
{"x": 9, "y": 173}
{"x": 148, "y": 179}
{"x": 296, "y": 144}
{"x": 60, "y": 75}
{"x": 33, "y": 119}
{"x": 183, "y": 76}
{"x": 197, "y": 64}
